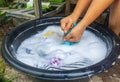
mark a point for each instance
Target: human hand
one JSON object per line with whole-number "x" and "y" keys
{"x": 75, "y": 34}
{"x": 67, "y": 22}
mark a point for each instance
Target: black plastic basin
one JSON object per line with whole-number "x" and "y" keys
{"x": 23, "y": 31}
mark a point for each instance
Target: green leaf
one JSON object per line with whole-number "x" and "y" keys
{"x": 2, "y": 12}
{"x": 11, "y": 79}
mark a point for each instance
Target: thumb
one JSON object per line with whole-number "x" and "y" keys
{"x": 68, "y": 36}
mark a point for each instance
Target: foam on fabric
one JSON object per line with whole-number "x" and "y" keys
{"x": 44, "y": 50}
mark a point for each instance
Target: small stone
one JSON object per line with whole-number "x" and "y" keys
{"x": 106, "y": 71}
{"x": 114, "y": 75}
{"x": 111, "y": 77}
{"x": 119, "y": 57}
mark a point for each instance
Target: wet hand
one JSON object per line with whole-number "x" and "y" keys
{"x": 67, "y": 22}
{"x": 75, "y": 34}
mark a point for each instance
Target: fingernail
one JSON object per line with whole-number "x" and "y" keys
{"x": 65, "y": 31}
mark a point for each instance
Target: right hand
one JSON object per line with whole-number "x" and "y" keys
{"x": 67, "y": 22}
{"x": 75, "y": 34}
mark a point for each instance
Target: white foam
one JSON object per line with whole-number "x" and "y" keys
{"x": 44, "y": 50}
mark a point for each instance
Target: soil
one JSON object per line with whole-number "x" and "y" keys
{"x": 110, "y": 75}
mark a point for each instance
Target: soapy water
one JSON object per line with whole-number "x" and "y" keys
{"x": 45, "y": 50}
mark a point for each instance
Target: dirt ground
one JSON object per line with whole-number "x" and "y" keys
{"x": 110, "y": 75}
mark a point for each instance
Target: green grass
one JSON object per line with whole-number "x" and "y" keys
{"x": 3, "y": 73}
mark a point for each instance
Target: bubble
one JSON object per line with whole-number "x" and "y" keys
{"x": 48, "y": 52}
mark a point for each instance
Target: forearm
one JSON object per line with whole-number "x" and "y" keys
{"x": 80, "y": 7}
{"x": 95, "y": 9}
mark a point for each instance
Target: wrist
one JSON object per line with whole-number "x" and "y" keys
{"x": 81, "y": 25}
{"x": 74, "y": 16}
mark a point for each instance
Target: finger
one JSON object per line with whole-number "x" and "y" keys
{"x": 63, "y": 25}
{"x": 72, "y": 40}
{"x": 68, "y": 26}
{"x": 72, "y": 25}
{"x": 68, "y": 36}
